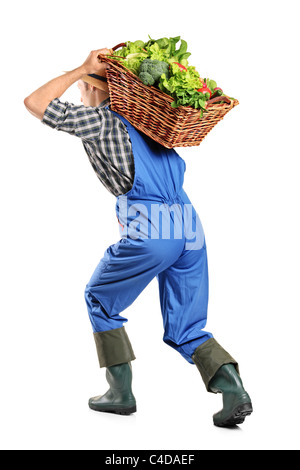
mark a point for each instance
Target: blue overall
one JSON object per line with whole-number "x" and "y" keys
{"x": 162, "y": 237}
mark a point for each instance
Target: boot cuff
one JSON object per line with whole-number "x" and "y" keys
{"x": 209, "y": 357}
{"x": 113, "y": 347}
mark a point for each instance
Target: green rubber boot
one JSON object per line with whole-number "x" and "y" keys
{"x": 119, "y": 398}
{"x": 236, "y": 401}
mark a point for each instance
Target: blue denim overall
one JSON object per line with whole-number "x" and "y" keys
{"x": 162, "y": 237}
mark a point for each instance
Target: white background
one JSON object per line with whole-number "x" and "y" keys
{"x": 57, "y": 220}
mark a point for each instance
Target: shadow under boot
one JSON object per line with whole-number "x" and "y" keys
{"x": 119, "y": 399}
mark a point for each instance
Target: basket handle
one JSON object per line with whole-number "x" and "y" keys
{"x": 122, "y": 44}
{"x": 218, "y": 99}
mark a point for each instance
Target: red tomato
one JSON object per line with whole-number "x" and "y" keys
{"x": 205, "y": 89}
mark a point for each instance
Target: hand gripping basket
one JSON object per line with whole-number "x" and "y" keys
{"x": 149, "y": 110}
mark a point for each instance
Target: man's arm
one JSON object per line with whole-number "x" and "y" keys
{"x": 38, "y": 101}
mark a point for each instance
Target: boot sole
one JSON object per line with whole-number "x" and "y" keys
{"x": 238, "y": 416}
{"x": 117, "y": 411}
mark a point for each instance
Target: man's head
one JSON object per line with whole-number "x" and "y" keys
{"x": 92, "y": 91}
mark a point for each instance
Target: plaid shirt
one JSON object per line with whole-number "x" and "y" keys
{"x": 104, "y": 137}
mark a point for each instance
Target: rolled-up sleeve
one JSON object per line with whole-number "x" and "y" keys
{"x": 81, "y": 121}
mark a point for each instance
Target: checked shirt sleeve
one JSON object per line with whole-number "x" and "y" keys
{"x": 81, "y": 121}
{"x": 104, "y": 137}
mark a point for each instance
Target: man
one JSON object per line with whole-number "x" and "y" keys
{"x": 161, "y": 236}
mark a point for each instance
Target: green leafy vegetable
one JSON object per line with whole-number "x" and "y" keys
{"x": 182, "y": 86}
{"x": 163, "y": 49}
{"x": 133, "y": 55}
{"x": 211, "y": 84}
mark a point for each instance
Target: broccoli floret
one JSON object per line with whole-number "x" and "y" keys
{"x": 150, "y": 71}
{"x": 146, "y": 78}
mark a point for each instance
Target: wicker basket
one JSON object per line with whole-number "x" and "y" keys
{"x": 149, "y": 109}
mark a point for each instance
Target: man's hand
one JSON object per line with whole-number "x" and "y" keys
{"x": 93, "y": 64}
{"x": 37, "y": 102}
